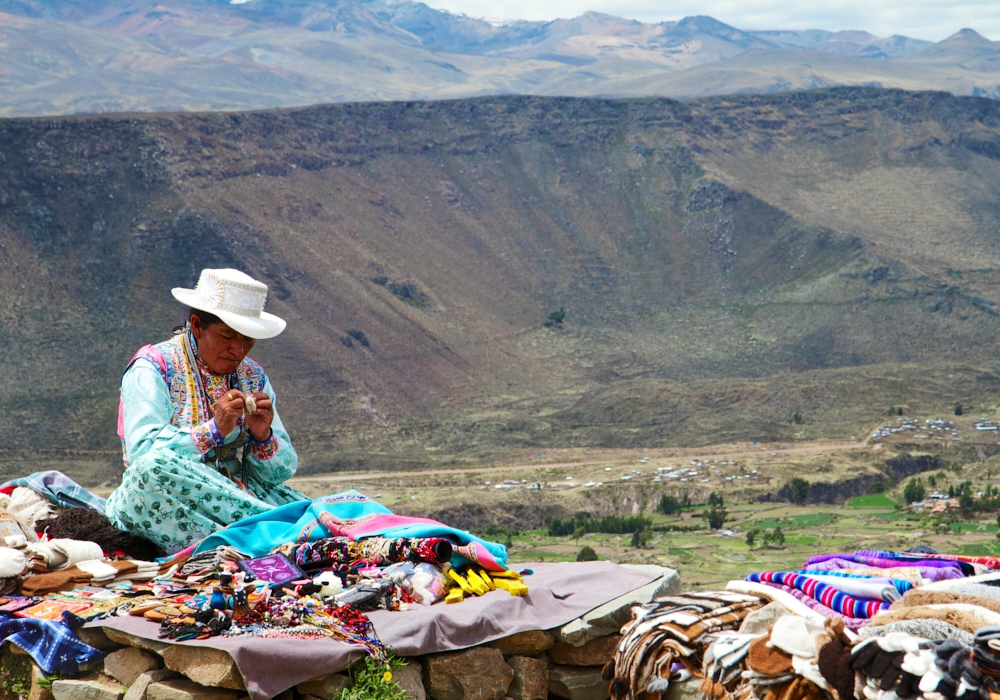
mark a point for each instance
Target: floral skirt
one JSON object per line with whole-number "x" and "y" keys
{"x": 174, "y": 501}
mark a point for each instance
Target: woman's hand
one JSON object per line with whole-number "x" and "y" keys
{"x": 259, "y": 422}
{"x": 228, "y": 409}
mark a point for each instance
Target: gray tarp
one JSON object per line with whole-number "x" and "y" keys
{"x": 558, "y": 593}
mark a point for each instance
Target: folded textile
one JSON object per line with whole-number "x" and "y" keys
{"x": 913, "y": 574}
{"x": 931, "y": 597}
{"x": 15, "y": 531}
{"x": 93, "y": 526}
{"x": 723, "y": 658}
{"x": 991, "y": 563}
{"x": 883, "y": 562}
{"x": 12, "y": 563}
{"x": 774, "y": 594}
{"x": 93, "y": 572}
{"x": 53, "y": 645}
{"x": 98, "y": 570}
{"x": 63, "y": 580}
{"x": 926, "y": 573}
{"x": 964, "y": 616}
{"x": 667, "y": 630}
{"x": 825, "y": 594}
{"x": 28, "y": 506}
{"x": 348, "y": 514}
{"x": 815, "y": 605}
{"x": 884, "y": 589}
{"x": 927, "y": 628}
{"x": 991, "y": 579}
{"x": 58, "y": 554}
{"x": 59, "y": 489}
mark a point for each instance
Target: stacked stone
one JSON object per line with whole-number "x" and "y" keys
{"x": 536, "y": 665}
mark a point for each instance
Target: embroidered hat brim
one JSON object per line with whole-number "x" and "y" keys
{"x": 258, "y": 327}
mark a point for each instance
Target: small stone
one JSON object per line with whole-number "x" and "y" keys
{"x": 137, "y": 689}
{"x": 125, "y": 665}
{"x": 688, "y": 690}
{"x": 531, "y": 679}
{"x": 212, "y": 667}
{"x": 184, "y": 689}
{"x": 287, "y": 695}
{"x": 409, "y": 677}
{"x": 37, "y": 690}
{"x": 578, "y": 683}
{"x": 527, "y": 643}
{"x": 479, "y": 673}
{"x": 85, "y": 690}
{"x": 97, "y": 638}
{"x": 596, "y": 652}
{"x": 134, "y": 640}
{"x": 325, "y": 687}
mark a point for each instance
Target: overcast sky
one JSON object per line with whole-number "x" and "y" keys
{"x": 922, "y": 19}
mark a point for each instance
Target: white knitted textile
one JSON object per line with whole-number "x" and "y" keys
{"x": 12, "y": 562}
{"x": 30, "y": 507}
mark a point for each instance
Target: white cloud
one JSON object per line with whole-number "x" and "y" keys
{"x": 922, "y": 19}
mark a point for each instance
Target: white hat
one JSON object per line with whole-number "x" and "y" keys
{"x": 236, "y": 298}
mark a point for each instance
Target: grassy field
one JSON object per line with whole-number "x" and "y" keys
{"x": 707, "y": 558}
{"x": 875, "y": 500}
{"x": 623, "y": 483}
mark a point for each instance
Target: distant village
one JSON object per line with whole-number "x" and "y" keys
{"x": 722, "y": 473}
{"x": 936, "y": 502}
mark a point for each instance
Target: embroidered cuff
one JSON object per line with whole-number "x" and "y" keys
{"x": 264, "y": 450}
{"x": 206, "y": 436}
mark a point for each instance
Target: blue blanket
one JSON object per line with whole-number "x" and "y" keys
{"x": 348, "y": 514}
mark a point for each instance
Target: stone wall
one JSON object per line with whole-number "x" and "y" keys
{"x": 563, "y": 662}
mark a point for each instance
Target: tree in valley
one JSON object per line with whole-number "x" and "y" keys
{"x": 914, "y": 490}
{"x": 800, "y": 490}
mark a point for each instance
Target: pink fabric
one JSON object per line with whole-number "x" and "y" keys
{"x": 813, "y": 604}
{"x": 932, "y": 573}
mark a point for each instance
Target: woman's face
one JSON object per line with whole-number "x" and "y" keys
{"x": 221, "y": 348}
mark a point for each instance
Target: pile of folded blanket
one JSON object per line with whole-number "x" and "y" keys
{"x": 870, "y": 625}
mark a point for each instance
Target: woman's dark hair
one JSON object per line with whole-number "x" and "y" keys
{"x": 207, "y": 319}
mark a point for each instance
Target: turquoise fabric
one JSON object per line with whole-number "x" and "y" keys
{"x": 173, "y": 500}
{"x": 168, "y": 494}
{"x": 358, "y": 515}
{"x": 147, "y": 411}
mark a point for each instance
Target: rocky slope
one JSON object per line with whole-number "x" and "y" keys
{"x": 721, "y": 264}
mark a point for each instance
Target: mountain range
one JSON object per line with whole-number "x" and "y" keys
{"x": 67, "y": 57}
{"x": 467, "y": 278}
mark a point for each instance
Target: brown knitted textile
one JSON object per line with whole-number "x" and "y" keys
{"x": 965, "y": 617}
{"x": 834, "y": 662}
{"x": 798, "y": 689}
{"x": 91, "y": 526}
{"x": 768, "y": 661}
{"x": 63, "y": 580}
{"x": 917, "y": 596}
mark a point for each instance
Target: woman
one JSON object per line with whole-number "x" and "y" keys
{"x": 202, "y": 442}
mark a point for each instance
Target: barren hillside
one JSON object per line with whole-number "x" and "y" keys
{"x": 721, "y": 263}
